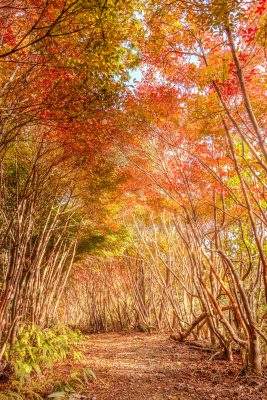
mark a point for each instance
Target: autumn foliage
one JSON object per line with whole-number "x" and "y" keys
{"x": 135, "y": 204}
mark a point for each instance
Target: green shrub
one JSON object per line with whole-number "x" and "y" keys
{"x": 35, "y": 348}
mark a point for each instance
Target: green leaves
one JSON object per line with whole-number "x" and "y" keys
{"x": 13, "y": 395}
{"x": 35, "y": 348}
{"x": 69, "y": 390}
{"x": 57, "y": 395}
{"x": 65, "y": 396}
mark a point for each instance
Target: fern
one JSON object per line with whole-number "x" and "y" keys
{"x": 69, "y": 390}
{"x": 35, "y": 348}
{"x": 18, "y": 395}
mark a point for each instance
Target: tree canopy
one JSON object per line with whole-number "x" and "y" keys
{"x": 135, "y": 203}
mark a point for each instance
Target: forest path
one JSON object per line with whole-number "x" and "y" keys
{"x": 153, "y": 367}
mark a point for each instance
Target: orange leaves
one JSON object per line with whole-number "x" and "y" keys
{"x": 159, "y": 101}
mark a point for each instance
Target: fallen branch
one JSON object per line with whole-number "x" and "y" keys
{"x": 181, "y": 336}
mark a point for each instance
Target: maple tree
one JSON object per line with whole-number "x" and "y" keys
{"x": 200, "y": 105}
{"x": 135, "y": 205}
{"x": 62, "y": 72}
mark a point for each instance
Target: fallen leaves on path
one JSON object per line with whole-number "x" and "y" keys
{"x": 153, "y": 367}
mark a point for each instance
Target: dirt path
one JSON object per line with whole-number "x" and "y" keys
{"x": 153, "y": 367}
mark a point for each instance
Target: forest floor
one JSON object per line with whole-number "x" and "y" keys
{"x": 154, "y": 367}
{"x": 142, "y": 366}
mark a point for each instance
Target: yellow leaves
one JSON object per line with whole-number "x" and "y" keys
{"x": 214, "y": 72}
{"x": 178, "y": 24}
{"x": 262, "y": 32}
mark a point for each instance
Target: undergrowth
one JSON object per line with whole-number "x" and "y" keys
{"x": 68, "y": 389}
{"x": 36, "y": 351}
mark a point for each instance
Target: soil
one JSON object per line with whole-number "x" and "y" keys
{"x": 154, "y": 367}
